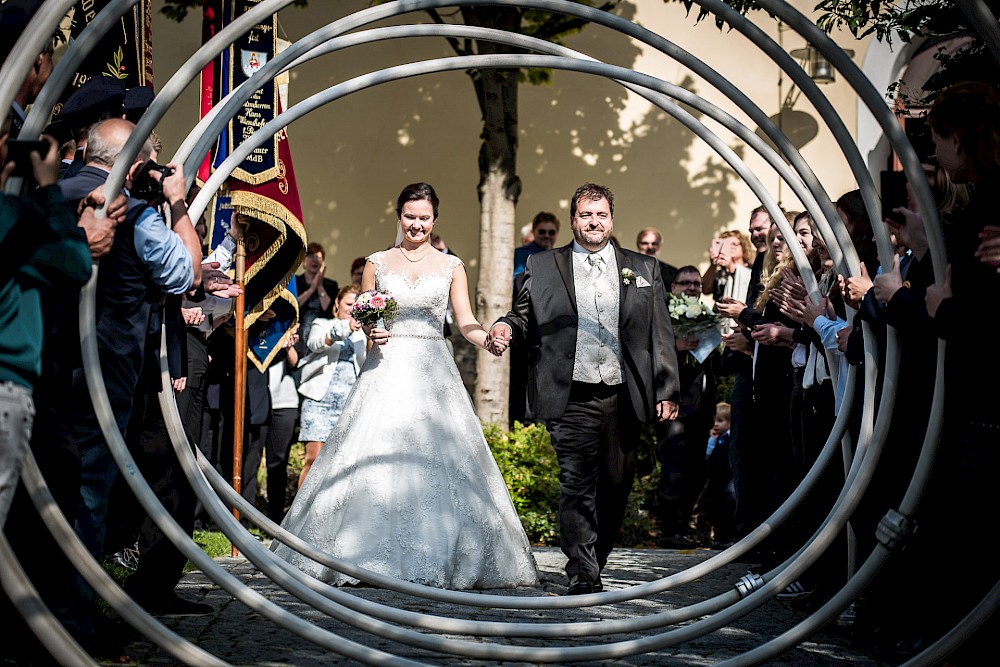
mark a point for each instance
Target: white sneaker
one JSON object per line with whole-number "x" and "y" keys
{"x": 795, "y": 591}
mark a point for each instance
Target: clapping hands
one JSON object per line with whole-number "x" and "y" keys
{"x": 805, "y": 311}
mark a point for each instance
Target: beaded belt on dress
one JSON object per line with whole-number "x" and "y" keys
{"x": 414, "y": 335}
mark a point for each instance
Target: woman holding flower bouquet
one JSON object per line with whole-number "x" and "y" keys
{"x": 337, "y": 353}
{"x": 406, "y": 485}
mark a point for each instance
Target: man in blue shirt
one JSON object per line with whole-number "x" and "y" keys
{"x": 148, "y": 258}
{"x": 545, "y": 227}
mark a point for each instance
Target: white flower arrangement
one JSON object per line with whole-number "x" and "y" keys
{"x": 628, "y": 277}
{"x": 689, "y": 317}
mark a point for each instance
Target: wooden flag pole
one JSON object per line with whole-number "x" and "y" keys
{"x": 239, "y": 371}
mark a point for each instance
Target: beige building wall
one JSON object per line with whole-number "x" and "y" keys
{"x": 353, "y": 156}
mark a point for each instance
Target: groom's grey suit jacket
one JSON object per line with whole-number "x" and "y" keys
{"x": 545, "y": 316}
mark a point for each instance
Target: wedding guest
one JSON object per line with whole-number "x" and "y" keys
{"x": 648, "y": 242}
{"x": 728, "y": 274}
{"x": 315, "y": 290}
{"x": 46, "y": 250}
{"x": 680, "y": 443}
{"x": 357, "y": 270}
{"x": 337, "y": 353}
{"x": 281, "y": 433}
{"x": 965, "y": 127}
{"x": 596, "y": 379}
{"x": 737, "y": 361}
{"x": 544, "y": 229}
{"x": 716, "y": 507}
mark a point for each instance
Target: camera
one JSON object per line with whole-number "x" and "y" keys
{"x": 145, "y": 186}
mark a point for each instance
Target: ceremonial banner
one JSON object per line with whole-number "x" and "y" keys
{"x": 263, "y": 189}
{"x": 124, "y": 53}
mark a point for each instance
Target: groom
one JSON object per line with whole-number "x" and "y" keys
{"x": 601, "y": 351}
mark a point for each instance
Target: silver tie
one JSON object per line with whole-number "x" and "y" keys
{"x": 596, "y": 264}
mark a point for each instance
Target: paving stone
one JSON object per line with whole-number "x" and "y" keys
{"x": 237, "y": 635}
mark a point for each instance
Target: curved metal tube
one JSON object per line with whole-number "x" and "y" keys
{"x": 66, "y": 68}
{"x": 102, "y": 583}
{"x": 24, "y": 597}
{"x": 31, "y": 42}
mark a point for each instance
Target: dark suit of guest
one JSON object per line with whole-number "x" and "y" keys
{"x": 601, "y": 356}
{"x": 126, "y": 297}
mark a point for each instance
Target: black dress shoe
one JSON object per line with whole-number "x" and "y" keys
{"x": 582, "y": 584}
{"x": 598, "y": 584}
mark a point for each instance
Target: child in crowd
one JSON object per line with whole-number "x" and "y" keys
{"x": 717, "y": 503}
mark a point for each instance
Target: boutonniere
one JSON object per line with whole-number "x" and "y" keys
{"x": 628, "y": 277}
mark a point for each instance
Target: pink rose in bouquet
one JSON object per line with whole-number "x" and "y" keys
{"x": 372, "y": 306}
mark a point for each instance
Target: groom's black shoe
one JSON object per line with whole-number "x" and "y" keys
{"x": 582, "y": 584}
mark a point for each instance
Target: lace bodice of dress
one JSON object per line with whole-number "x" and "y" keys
{"x": 422, "y": 301}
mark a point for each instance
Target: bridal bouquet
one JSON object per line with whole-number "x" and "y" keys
{"x": 372, "y": 306}
{"x": 689, "y": 317}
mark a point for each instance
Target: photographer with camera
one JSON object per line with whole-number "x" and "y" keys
{"x": 148, "y": 258}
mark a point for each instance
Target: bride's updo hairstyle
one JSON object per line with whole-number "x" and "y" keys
{"x": 417, "y": 192}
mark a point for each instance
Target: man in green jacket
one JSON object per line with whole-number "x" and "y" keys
{"x": 43, "y": 247}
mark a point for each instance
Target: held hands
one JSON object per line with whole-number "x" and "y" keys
{"x": 498, "y": 339}
{"x": 667, "y": 411}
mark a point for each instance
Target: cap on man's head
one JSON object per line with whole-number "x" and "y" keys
{"x": 98, "y": 98}
{"x": 137, "y": 100}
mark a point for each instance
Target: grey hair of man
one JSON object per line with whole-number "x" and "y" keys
{"x": 593, "y": 192}
{"x": 105, "y": 144}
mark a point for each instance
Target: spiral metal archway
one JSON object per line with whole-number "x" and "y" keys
{"x": 384, "y": 621}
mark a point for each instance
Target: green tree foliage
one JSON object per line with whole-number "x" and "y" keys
{"x": 932, "y": 21}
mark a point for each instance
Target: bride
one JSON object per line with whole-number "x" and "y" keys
{"x": 406, "y": 485}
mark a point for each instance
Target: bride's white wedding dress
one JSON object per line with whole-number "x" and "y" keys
{"x": 406, "y": 485}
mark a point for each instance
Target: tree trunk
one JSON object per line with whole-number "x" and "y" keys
{"x": 499, "y": 189}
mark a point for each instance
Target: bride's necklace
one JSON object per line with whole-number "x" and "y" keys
{"x": 407, "y": 257}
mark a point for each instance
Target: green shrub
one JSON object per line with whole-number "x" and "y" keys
{"x": 530, "y": 469}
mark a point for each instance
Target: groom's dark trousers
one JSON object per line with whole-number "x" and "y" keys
{"x": 595, "y": 443}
